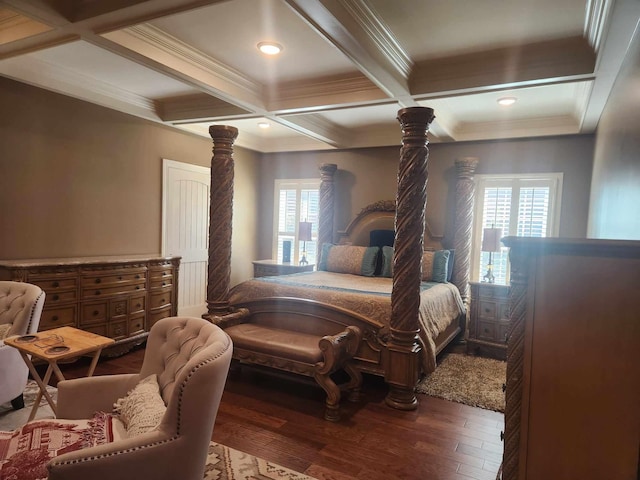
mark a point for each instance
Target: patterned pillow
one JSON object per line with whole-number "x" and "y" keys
{"x": 142, "y": 409}
{"x": 349, "y": 259}
{"x": 434, "y": 265}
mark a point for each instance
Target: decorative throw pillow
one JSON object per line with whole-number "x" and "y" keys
{"x": 387, "y": 262}
{"x": 349, "y": 259}
{"x": 4, "y": 330}
{"x": 142, "y": 409}
{"x": 434, "y": 265}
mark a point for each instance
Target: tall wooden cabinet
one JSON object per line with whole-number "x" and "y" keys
{"x": 573, "y": 360}
{"x": 117, "y": 297}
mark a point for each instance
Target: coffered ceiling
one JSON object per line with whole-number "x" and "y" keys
{"x": 346, "y": 68}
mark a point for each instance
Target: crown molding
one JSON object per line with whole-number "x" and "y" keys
{"x": 523, "y": 127}
{"x": 196, "y": 108}
{"x": 221, "y": 80}
{"x": 596, "y": 21}
{"x": 68, "y": 82}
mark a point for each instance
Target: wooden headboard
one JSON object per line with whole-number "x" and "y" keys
{"x": 379, "y": 215}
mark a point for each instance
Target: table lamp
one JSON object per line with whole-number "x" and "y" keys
{"x": 304, "y": 234}
{"x": 490, "y": 243}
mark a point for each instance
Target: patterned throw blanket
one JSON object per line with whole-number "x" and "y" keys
{"x": 440, "y": 303}
{"x": 25, "y": 452}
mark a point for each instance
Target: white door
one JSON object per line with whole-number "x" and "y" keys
{"x": 185, "y": 230}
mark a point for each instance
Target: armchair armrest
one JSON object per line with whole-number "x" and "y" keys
{"x": 337, "y": 349}
{"x": 122, "y": 459}
{"x": 82, "y": 397}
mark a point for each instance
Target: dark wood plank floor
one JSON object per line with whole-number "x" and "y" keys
{"x": 281, "y": 420}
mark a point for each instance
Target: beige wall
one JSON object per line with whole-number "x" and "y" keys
{"x": 367, "y": 175}
{"x": 78, "y": 179}
{"x": 615, "y": 190}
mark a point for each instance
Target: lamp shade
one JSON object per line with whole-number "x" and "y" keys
{"x": 304, "y": 231}
{"x": 491, "y": 239}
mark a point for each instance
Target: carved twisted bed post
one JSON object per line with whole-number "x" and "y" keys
{"x": 220, "y": 220}
{"x": 403, "y": 350}
{"x": 515, "y": 361}
{"x": 465, "y": 192}
{"x": 327, "y": 190}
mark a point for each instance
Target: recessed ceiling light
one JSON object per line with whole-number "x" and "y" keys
{"x": 506, "y": 101}
{"x": 269, "y": 48}
{"x": 264, "y": 124}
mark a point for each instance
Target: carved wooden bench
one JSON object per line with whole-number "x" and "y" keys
{"x": 281, "y": 342}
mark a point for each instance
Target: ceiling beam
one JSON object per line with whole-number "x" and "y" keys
{"x": 353, "y": 28}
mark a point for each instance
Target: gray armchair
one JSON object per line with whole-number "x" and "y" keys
{"x": 20, "y": 309}
{"x": 191, "y": 358}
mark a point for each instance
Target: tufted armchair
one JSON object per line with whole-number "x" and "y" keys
{"x": 191, "y": 359}
{"x": 20, "y": 309}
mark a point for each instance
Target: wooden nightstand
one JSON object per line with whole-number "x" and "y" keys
{"x": 267, "y": 268}
{"x": 489, "y": 320}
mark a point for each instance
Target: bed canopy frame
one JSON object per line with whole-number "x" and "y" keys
{"x": 403, "y": 349}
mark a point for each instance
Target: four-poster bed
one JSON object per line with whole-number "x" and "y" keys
{"x": 395, "y": 348}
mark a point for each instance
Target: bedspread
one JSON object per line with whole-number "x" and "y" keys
{"x": 440, "y": 303}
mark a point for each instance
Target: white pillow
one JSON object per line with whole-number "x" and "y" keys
{"x": 142, "y": 409}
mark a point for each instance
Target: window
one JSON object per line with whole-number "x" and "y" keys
{"x": 524, "y": 206}
{"x": 296, "y": 201}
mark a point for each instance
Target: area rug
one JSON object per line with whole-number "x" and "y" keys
{"x": 467, "y": 379}
{"x": 11, "y": 419}
{"x": 223, "y": 463}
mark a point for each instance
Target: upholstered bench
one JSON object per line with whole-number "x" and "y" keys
{"x": 298, "y": 352}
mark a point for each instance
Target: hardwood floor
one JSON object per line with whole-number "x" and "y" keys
{"x": 281, "y": 420}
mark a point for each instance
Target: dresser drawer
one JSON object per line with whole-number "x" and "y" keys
{"x": 504, "y": 312}
{"x": 98, "y": 292}
{"x": 118, "y": 307}
{"x": 113, "y": 278}
{"x": 56, "y": 296}
{"x": 493, "y": 291}
{"x": 52, "y": 284}
{"x": 136, "y": 324}
{"x": 93, "y": 313}
{"x": 160, "y": 299}
{"x": 487, "y": 310}
{"x": 487, "y": 331}
{"x": 58, "y": 317}
{"x": 137, "y": 303}
{"x": 159, "y": 314}
{"x": 160, "y": 283}
{"x": 159, "y": 274}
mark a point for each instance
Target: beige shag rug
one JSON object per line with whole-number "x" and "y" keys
{"x": 475, "y": 381}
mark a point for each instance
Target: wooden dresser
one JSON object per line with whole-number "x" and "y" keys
{"x": 573, "y": 360}
{"x": 117, "y": 297}
{"x": 267, "y": 268}
{"x": 488, "y": 320}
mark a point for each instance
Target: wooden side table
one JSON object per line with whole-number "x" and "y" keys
{"x": 53, "y": 346}
{"x": 489, "y": 320}
{"x": 267, "y": 268}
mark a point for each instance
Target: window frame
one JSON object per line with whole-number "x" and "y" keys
{"x": 553, "y": 180}
{"x": 297, "y": 184}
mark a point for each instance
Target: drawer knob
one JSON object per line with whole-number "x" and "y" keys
{"x": 138, "y": 305}
{"x": 97, "y": 292}
{"x": 96, "y": 313}
{"x": 486, "y": 310}
{"x": 502, "y": 435}
{"x": 137, "y": 276}
{"x": 120, "y": 277}
{"x": 54, "y": 318}
{"x": 55, "y": 297}
{"x": 504, "y": 387}
{"x": 98, "y": 280}
{"x": 137, "y": 287}
{"x": 486, "y": 330}
{"x": 55, "y": 284}
{"x": 162, "y": 300}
